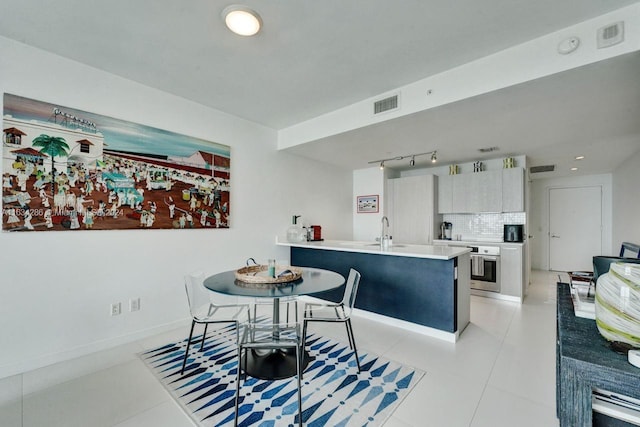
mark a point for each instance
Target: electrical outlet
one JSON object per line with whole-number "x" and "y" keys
{"x": 116, "y": 309}
{"x": 134, "y": 304}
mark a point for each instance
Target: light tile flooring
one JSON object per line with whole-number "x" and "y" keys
{"x": 500, "y": 373}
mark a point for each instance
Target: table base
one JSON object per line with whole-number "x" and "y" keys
{"x": 273, "y": 364}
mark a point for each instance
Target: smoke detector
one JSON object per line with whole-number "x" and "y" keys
{"x": 568, "y": 45}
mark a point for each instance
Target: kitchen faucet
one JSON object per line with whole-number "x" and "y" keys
{"x": 384, "y": 239}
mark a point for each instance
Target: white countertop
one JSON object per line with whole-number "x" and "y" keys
{"x": 416, "y": 251}
{"x": 474, "y": 242}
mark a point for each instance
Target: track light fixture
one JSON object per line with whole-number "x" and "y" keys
{"x": 412, "y": 162}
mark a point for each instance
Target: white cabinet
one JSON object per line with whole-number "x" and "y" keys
{"x": 460, "y": 190}
{"x": 445, "y": 194}
{"x": 513, "y": 190}
{"x": 485, "y": 192}
{"x": 412, "y": 209}
{"x": 488, "y": 191}
{"x": 476, "y": 192}
{"x": 512, "y": 270}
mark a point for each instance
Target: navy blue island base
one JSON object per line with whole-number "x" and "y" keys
{"x": 419, "y": 290}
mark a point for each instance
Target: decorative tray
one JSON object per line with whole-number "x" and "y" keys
{"x": 259, "y": 274}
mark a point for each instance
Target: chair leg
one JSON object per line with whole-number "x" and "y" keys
{"x": 295, "y": 312}
{"x": 304, "y": 334}
{"x": 287, "y": 312}
{"x": 237, "y": 400}
{"x": 349, "y": 337}
{"x": 246, "y": 356}
{"x": 299, "y": 372}
{"x": 204, "y": 334}
{"x": 303, "y": 343}
{"x": 186, "y": 352}
{"x": 353, "y": 340}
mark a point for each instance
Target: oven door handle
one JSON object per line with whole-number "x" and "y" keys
{"x": 490, "y": 258}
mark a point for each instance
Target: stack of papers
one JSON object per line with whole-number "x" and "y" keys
{"x": 583, "y": 296}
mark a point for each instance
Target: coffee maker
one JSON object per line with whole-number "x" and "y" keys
{"x": 446, "y": 229}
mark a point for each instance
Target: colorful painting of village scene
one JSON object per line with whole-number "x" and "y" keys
{"x": 66, "y": 169}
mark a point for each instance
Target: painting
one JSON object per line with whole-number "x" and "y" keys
{"x": 67, "y": 170}
{"x": 368, "y": 204}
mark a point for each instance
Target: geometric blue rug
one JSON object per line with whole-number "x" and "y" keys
{"x": 333, "y": 393}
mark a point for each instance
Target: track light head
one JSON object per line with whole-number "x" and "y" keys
{"x": 412, "y": 162}
{"x": 382, "y": 165}
{"x": 434, "y": 157}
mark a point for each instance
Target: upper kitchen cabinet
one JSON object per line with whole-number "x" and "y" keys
{"x": 460, "y": 191}
{"x": 513, "y": 190}
{"x": 412, "y": 209}
{"x": 485, "y": 192}
{"x": 488, "y": 191}
{"x": 476, "y": 192}
{"x": 445, "y": 194}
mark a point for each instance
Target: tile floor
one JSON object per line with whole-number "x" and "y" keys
{"x": 500, "y": 373}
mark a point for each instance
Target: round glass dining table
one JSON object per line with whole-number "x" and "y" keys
{"x": 275, "y": 364}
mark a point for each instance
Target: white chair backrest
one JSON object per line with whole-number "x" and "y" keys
{"x": 351, "y": 289}
{"x": 197, "y": 295}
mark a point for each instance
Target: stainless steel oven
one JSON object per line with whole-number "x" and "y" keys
{"x": 485, "y": 268}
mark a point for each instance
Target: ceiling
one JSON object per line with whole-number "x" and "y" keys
{"x": 315, "y": 57}
{"x": 592, "y": 111}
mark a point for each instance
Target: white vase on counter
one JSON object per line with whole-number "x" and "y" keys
{"x": 618, "y": 304}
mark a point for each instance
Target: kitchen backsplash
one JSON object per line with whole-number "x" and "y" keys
{"x": 483, "y": 226}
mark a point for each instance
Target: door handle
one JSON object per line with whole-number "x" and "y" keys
{"x": 555, "y": 236}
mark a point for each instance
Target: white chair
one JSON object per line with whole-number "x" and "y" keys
{"x": 210, "y": 307}
{"x": 336, "y": 312}
{"x": 262, "y": 336}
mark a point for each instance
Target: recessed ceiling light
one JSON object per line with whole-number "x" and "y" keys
{"x": 574, "y": 169}
{"x": 242, "y": 20}
{"x": 579, "y": 157}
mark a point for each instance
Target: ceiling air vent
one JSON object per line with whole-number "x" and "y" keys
{"x": 546, "y": 168}
{"x": 611, "y": 35}
{"x": 488, "y": 149}
{"x": 386, "y": 104}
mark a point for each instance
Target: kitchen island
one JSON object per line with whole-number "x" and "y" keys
{"x": 419, "y": 287}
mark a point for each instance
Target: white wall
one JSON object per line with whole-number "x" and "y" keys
{"x": 370, "y": 181}
{"x": 56, "y": 287}
{"x": 626, "y": 202}
{"x": 539, "y": 214}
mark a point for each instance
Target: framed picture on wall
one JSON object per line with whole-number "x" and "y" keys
{"x": 65, "y": 169}
{"x": 368, "y": 204}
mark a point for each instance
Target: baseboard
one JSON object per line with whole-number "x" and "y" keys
{"x": 403, "y": 324}
{"x": 493, "y": 295}
{"x": 41, "y": 361}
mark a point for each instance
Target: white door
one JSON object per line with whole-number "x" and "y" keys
{"x": 575, "y": 227}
